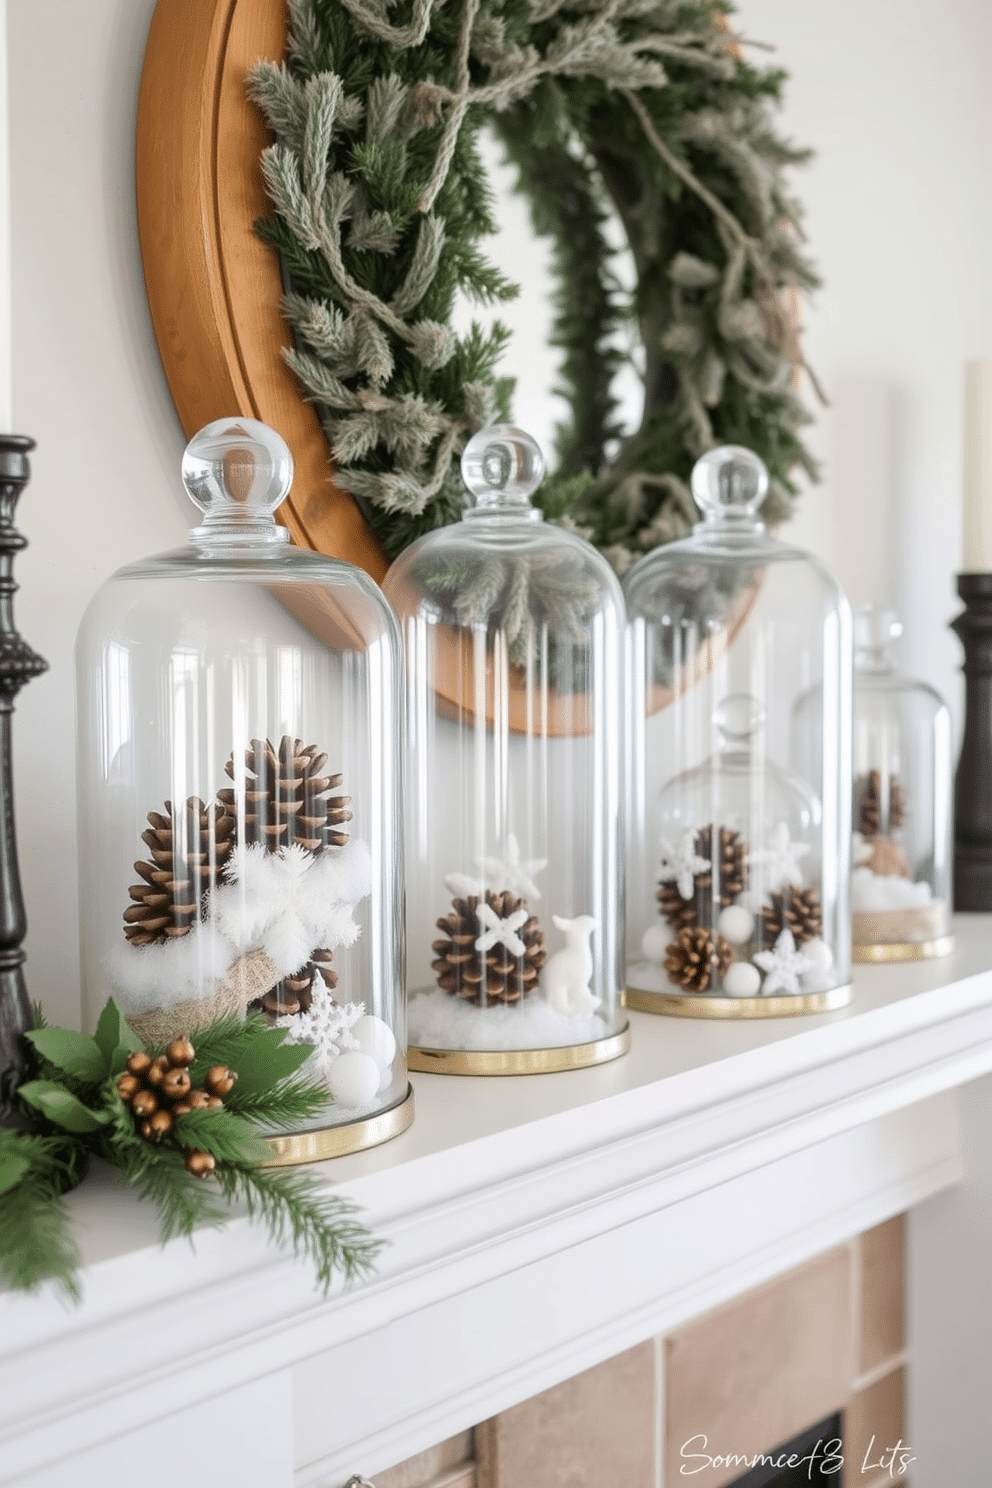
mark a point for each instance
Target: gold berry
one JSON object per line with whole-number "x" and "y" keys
{"x": 139, "y": 1063}
{"x": 144, "y": 1103}
{"x": 156, "y": 1070}
{"x": 159, "y": 1126}
{"x": 220, "y": 1079}
{"x": 180, "y": 1052}
{"x": 197, "y": 1099}
{"x": 200, "y": 1164}
{"x": 175, "y": 1083}
{"x": 212, "y": 1102}
{"x": 146, "y": 1130}
{"x": 127, "y": 1086}
{"x": 181, "y": 1108}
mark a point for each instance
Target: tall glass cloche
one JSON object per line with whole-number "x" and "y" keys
{"x": 239, "y": 735}
{"x": 739, "y": 709}
{"x": 902, "y": 807}
{"x": 513, "y": 637}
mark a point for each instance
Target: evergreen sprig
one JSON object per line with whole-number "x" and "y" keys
{"x": 647, "y": 113}
{"x": 65, "y": 1102}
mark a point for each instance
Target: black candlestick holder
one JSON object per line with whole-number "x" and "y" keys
{"x": 973, "y": 781}
{"x": 18, "y": 664}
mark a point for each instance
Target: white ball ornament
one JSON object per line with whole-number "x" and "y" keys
{"x": 741, "y": 979}
{"x": 654, "y": 943}
{"x": 353, "y": 1079}
{"x": 736, "y": 924}
{"x": 819, "y": 953}
{"x": 374, "y": 1038}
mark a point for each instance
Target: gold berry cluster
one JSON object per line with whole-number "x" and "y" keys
{"x": 159, "y": 1090}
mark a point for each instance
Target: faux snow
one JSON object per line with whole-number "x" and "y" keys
{"x": 353, "y": 1079}
{"x": 736, "y": 924}
{"x": 437, "y": 1020}
{"x": 655, "y": 942}
{"x": 159, "y": 976}
{"x": 741, "y": 979}
{"x": 875, "y": 891}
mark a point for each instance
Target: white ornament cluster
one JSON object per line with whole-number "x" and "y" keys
{"x": 680, "y": 863}
{"x": 353, "y": 1051}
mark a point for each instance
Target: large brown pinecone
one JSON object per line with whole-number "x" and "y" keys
{"x": 797, "y": 910}
{"x": 495, "y": 975}
{"x": 288, "y": 800}
{"x": 867, "y": 794}
{"x": 189, "y": 849}
{"x": 294, "y": 994}
{"x": 731, "y": 870}
{"x": 696, "y": 958}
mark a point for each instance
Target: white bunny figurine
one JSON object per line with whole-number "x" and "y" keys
{"x": 566, "y": 976}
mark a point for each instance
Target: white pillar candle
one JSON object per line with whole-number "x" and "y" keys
{"x": 977, "y": 556}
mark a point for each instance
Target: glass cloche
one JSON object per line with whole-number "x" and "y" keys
{"x": 513, "y": 636}
{"x": 739, "y": 709}
{"x": 239, "y": 734}
{"x": 902, "y": 817}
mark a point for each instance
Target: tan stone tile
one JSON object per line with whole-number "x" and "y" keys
{"x": 423, "y": 1470}
{"x": 756, "y": 1372}
{"x": 883, "y": 1292}
{"x": 594, "y": 1431}
{"x": 875, "y": 1432}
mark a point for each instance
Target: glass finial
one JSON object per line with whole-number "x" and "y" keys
{"x": 237, "y": 471}
{"x": 502, "y": 468}
{"x": 738, "y": 717}
{"x": 729, "y": 484}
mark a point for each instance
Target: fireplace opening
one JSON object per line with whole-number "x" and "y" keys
{"x": 816, "y": 1456}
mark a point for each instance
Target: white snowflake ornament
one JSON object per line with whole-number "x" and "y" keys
{"x": 511, "y": 873}
{"x": 783, "y": 965}
{"x": 679, "y": 865}
{"x": 501, "y": 932}
{"x": 779, "y": 860}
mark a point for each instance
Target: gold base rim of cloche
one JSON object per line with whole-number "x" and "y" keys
{"x": 903, "y": 950}
{"x": 518, "y": 1061}
{"x": 339, "y": 1141}
{"x": 733, "y": 1009}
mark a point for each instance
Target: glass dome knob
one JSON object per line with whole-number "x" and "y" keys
{"x": 237, "y": 470}
{"x": 738, "y": 718}
{"x": 729, "y": 483}
{"x": 502, "y": 467}
{"x": 875, "y": 628}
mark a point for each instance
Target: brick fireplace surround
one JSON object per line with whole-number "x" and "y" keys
{"x": 827, "y": 1336}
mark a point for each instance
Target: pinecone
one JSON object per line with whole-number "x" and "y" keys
{"x": 797, "y": 910}
{"x": 287, "y": 800}
{"x": 294, "y": 994}
{"x": 496, "y": 974}
{"x": 732, "y": 878}
{"x": 696, "y": 958}
{"x": 188, "y": 851}
{"x": 159, "y": 1090}
{"x": 897, "y": 804}
{"x": 867, "y": 793}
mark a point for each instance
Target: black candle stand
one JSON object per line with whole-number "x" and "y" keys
{"x": 18, "y": 664}
{"x": 973, "y": 781}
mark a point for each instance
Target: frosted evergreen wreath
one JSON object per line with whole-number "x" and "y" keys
{"x": 641, "y": 108}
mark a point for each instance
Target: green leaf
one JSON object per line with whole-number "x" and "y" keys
{"x": 73, "y": 1053}
{"x": 115, "y": 1038}
{"x": 61, "y": 1107}
{"x": 12, "y": 1170}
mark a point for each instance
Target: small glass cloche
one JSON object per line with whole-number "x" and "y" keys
{"x": 739, "y": 718}
{"x": 902, "y": 804}
{"x": 513, "y": 636}
{"x": 238, "y": 707}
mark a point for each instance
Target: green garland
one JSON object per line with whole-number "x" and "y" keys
{"x": 67, "y": 1110}
{"x": 642, "y": 109}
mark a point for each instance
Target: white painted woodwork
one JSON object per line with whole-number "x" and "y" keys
{"x": 536, "y": 1226}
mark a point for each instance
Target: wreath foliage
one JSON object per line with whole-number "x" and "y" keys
{"x": 641, "y": 109}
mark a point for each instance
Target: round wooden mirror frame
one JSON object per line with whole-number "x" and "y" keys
{"x": 214, "y": 289}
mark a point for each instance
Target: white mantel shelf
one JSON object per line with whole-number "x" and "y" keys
{"x": 537, "y": 1225}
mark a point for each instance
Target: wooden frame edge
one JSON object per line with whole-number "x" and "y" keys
{"x": 214, "y": 289}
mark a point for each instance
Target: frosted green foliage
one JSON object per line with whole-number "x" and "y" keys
{"x": 642, "y": 110}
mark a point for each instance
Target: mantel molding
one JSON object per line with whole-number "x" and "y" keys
{"x": 560, "y": 1219}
